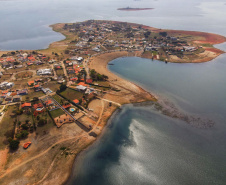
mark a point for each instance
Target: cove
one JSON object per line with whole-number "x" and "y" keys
{"x": 142, "y": 146}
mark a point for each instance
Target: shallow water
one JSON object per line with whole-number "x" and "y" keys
{"x": 140, "y": 145}
{"x": 25, "y": 23}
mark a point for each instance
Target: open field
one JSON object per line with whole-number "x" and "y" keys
{"x": 59, "y": 72}
{"x": 57, "y": 113}
{"x": 31, "y": 95}
{"x": 52, "y": 85}
{"x": 6, "y": 125}
{"x": 72, "y": 94}
{"x": 24, "y": 74}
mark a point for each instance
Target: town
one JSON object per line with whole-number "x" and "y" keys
{"x": 56, "y": 101}
{"x": 59, "y": 87}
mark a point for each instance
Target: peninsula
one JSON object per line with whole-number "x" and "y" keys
{"x": 55, "y": 102}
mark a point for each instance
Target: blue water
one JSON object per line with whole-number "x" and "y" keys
{"x": 141, "y": 145}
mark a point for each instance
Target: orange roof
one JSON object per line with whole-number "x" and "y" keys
{"x": 26, "y": 145}
{"x": 31, "y": 82}
{"x": 66, "y": 106}
{"x": 82, "y": 83}
{"x": 4, "y": 92}
{"x": 13, "y": 94}
{"x": 39, "y": 105}
{"x": 89, "y": 80}
{"x": 76, "y": 101}
{"x": 31, "y": 58}
{"x": 26, "y": 105}
{"x": 37, "y": 86}
{"x": 48, "y": 102}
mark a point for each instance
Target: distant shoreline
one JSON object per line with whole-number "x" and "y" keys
{"x": 134, "y": 9}
{"x": 125, "y": 92}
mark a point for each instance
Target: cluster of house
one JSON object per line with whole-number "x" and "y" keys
{"x": 37, "y": 86}
{"x": 6, "y": 85}
{"x": 93, "y": 34}
{"x": 85, "y": 88}
{"x": 49, "y": 103}
{"x": 12, "y": 95}
{"x": 73, "y": 65}
{"x": 21, "y": 59}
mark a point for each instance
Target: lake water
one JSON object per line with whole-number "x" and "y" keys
{"x": 141, "y": 145}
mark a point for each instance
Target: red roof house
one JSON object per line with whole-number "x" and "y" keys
{"x": 76, "y": 101}
{"x": 26, "y": 105}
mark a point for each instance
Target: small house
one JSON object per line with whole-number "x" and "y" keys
{"x": 16, "y": 98}
{"x": 76, "y": 101}
{"x": 22, "y": 92}
{"x": 26, "y": 106}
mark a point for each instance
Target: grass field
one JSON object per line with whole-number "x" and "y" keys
{"x": 59, "y": 72}
{"x": 52, "y": 85}
{"x": 59, "y": 99}
{"x": 57, "y": 112}
{"x": 31, "y": 95}
{"x": 72, "y": 94}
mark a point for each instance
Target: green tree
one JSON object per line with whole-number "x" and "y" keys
{"x": 41, "y": 122}
{"x": 24, "y": 126}
{"x": 63, "y": 87}
{"x": 13, "y": 144}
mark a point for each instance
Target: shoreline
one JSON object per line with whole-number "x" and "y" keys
{"x": 129, "y": 92}
{"x": 79, "y": 155}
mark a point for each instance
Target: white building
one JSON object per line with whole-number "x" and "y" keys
{"x": 44, "y": 72}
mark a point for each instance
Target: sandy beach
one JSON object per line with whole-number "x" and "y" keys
{"x": 51, "y": 159}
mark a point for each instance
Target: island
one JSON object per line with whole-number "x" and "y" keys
{"x": 134, "y": 9}
{"x": 56, "y": 102}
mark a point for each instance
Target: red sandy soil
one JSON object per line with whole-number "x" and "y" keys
{"x": 209, "y": 38}
{"x": 215, "y": 50}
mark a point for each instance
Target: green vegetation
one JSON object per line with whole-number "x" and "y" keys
{"x": 21, "y": 135}
{"x": 57, "y": 113}
{"x": 60, "y": 100}
{"x": 13, "y": 144}
{"x": 97, "y": 76}
{"x": 52, "y": 85}
{"x": 63, "y": 87}
{"x": 207, "y": 45}
{"x": 72, "y": 94}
